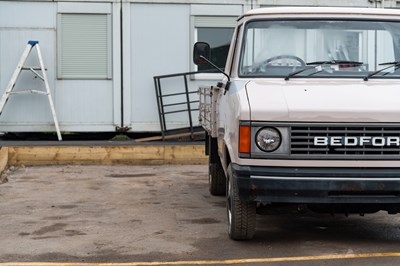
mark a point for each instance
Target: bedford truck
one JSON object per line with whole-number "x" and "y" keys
{"x": 307, "y": 115}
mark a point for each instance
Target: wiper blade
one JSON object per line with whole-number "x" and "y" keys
{"x": 336, "y": 62}
{"x": 390, "y": 63}
{"x": 395, "y": 64}
{"x": 315, "y": 64}
{"x": 294, "y": 73}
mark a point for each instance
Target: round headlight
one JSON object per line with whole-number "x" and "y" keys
{"x": 268, "y": 139}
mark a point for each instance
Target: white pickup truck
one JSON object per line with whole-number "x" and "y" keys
{"x": 308, "y": 114}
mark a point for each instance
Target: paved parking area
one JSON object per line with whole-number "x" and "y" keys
{"x": 154, "y": 215}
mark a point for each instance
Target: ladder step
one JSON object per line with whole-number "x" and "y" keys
{"x": 30, "y": 68}
{"x": 28, "y": 92}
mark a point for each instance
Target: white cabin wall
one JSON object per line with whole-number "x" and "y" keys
{"x": 88, "y": 104}
{"x": 19, "y": 23}
{"x": 159, "y": 45}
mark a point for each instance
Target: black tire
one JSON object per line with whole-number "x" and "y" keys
{"x": 241, "y": 214}
{"x": 216, "y": 179}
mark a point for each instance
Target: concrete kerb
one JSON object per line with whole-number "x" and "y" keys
{"x": 106, "y": 155}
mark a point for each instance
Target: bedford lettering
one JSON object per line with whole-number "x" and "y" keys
{"x": 357, "y": 141}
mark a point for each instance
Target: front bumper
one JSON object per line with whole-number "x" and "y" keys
{"x": 317, "y": 185}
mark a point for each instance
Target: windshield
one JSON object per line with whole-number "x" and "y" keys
{"x": 320, "y": 48}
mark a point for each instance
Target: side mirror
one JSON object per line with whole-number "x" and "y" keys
{"x": 201, "y": 49}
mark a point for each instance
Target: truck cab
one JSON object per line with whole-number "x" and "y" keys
{"x": 307, "y": 115}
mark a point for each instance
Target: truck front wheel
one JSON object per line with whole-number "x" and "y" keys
{"x": 241, "y": 214}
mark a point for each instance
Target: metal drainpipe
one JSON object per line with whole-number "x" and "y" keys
{"x": 122, "y": 64}
{"x": 121, "y": 128}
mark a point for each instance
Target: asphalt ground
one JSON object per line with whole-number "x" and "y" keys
{"x": 164, "y": 215}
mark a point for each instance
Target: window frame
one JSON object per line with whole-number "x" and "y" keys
{"x": 104, "y": 76}
{"x": 363, "y": 40}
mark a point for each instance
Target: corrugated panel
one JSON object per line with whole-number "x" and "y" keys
{"x": 84, "y": 46}
{"x": 214, "y": 22}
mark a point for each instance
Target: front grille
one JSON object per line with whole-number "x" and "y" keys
{"x": 302, "y": 141}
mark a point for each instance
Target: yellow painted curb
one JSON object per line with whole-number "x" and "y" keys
{"x": 148, "y": 154}
{"x": 215, "y": 262}
{"x": 3, "y": 158}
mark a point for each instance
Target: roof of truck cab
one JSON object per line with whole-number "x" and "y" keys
{"x": 290, "y": 11}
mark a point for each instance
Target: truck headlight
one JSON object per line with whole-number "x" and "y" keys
{"x": 268, "y": 139}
